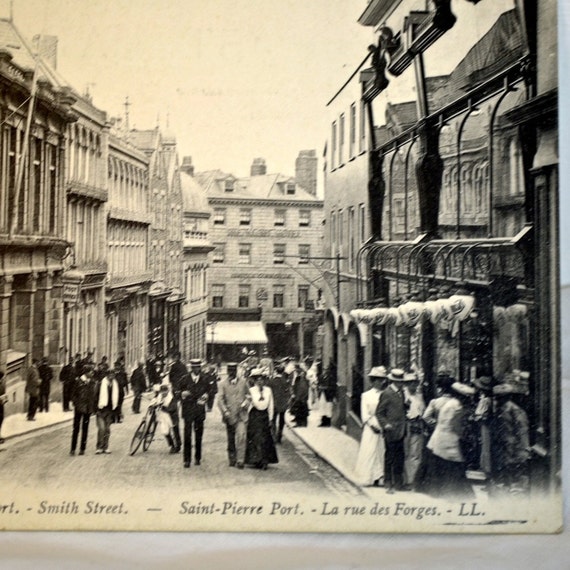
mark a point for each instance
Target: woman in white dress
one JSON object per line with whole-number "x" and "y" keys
{"x": 369, "y": 468}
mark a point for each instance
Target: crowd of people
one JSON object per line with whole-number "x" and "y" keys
{"x": 253, "y": 396}
{"x": 406, "y": 445}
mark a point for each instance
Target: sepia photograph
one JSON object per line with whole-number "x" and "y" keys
{"x": 280, "y": 266}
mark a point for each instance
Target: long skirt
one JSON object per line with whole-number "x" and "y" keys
{"x": 370, "y": 461}
{"x": 441, "y": 478}
{"x": 260, "y": 447}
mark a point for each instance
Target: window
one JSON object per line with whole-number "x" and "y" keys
{"x": 333, "y": 146}
{"x": 362, "y": 125}
{"x": 362, "y": 222}
{"x": 243, "y": 298}
{"x": 302, "y": 296}
{"x": 304, "y": 253}
{"x": 352, "y": 140}
{"x": 304, "y": 218}
{"x": 351, "y": 240}
{"x": 219, "y": 253}
{"x": 280, "y": 218}
{"x": 278, "y": 253}
{"x": 341, "y": 141}
{"x": 290, "y": 188}
{"x": 244, "y": 216}
{"x": 218, "y": 295}
{"x": 219, "y": 216}
{"x": 333, "y": 233}
{"x": 244, "y": 253}
{"x": 340, "y": 230}
{"x": 278, "y": 296}
{"x": 229, "y": 185}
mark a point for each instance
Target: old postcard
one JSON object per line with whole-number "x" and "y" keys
{"x": 280, "y": 266}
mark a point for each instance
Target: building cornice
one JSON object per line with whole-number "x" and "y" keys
{"x": 215, "y": 201}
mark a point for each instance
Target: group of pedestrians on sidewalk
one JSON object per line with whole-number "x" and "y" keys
{"x": 406, "y": 446}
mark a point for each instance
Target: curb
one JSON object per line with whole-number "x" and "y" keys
{"x": 338, "y": 469}
{"x": 36, "y": 429}
{"x": 46, "y": 426}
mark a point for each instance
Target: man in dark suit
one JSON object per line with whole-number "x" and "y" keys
{"x": 177, "y": 373}
{"x": 391, "y": 415}
{"x": 67, "y": 377}
{"x": 138, "y": 384}
{"x": 194, "y": 394}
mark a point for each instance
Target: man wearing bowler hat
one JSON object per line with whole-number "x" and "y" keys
{"x": 194, "y": 395}
{"x": 391, "y": 415}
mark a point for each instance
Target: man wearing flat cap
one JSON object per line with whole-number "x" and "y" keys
{"x": 391, "y": 415}
{"x": 194, "y": 395}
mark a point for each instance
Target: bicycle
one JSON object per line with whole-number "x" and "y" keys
{"x": 144, "y": 433}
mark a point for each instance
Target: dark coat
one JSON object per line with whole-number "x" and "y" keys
{"x": 191, "y": 409}
{"x": 83, "y": 396}
{"x": 177, "y": 374}
{"x": 68, "y": 373}
{"x": 33, "y": 382}
{"x": 138, "y": 380}
{"x": 46, "y": 374}
{"x": 281, "y": 389}
{"x": 391, "y": 414}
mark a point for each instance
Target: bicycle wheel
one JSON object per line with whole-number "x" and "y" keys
{"x": 138, "y": 438}
{"x": 149, "y": 435}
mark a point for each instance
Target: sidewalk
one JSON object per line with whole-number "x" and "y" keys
{"x": 340, "y": 451}
{"x": 17, "y": 424}
{"x": 330, "y": 444}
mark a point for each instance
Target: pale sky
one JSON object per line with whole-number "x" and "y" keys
{"x": 235, "y": 79}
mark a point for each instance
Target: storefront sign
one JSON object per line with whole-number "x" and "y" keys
{"x": 70, "y": 293}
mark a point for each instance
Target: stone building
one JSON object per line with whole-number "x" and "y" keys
{"x": 266, "y": 230}
{"x": 35, "y": 115}
{"x": 196, "y": 248}
{"x": 451, "y": 202}
{"x": 165, "y": 247}
{"x": 128, "y": 228}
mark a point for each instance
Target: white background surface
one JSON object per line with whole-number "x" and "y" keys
{"x": 275, "y": 552}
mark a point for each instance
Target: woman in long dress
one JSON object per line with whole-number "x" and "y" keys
{"x": 369, "y": 468}
{"x": 260, "y": 450}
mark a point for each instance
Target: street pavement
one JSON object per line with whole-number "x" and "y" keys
{"x": 41, "y": 458}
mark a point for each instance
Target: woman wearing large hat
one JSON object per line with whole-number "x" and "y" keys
{"x": 369, "y": 468}
{"x": 260, "y": 450}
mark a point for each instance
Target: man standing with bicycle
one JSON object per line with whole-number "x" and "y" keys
{"x": 194, "y": 394}
{"x": 107, "y": 401}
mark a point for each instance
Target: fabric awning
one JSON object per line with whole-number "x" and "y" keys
{"x": 236, "y": 332}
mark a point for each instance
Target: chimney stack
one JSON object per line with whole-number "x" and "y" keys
{"x": 47, "y": 48}
{"x": 187, "y": 167}
{"x": 258, "y": 167}
{"x": 306, "y": 170}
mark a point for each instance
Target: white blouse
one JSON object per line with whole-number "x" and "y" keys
{"x": 262, "y": 399}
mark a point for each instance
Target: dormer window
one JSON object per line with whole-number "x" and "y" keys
{"x": 229, "y": 185}
{"x": 290, "y": 188}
